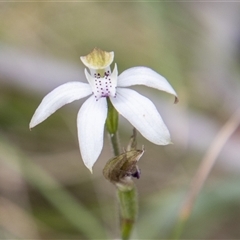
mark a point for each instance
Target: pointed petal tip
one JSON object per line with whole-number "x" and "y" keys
{"x": 90, "y": 169}
{"x": 176, "y": 100}
{"x": 30, "y": 126}
{"x": 169, "y": 142}
{"x": 165, "y": 141}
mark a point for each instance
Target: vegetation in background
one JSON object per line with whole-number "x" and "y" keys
{"x": 45, "y": 191}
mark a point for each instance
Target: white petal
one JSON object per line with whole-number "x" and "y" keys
{"x": 145, "y": 76}
{"x": 142, "y": 114}
{"x": 114, "y": 76}
{"x": 90, "y": 121}
{"x": 60, "y": 96}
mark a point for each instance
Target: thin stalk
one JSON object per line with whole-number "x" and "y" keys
{"x": 112, "y": 127}
{"x": 115, "y": 143}
{"x": 126, "y": 191}
{"x": 204, "y": 170}
{"x": 128, "y": 207}
{"x": 127, "y": 199}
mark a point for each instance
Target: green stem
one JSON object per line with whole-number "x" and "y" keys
{"x": 127, "y": 198}
{"x": 128, "y": 208}
{"x": 115, "y": 143}
{"x": 126, "y": 191}
{"x": 112, "y": 127}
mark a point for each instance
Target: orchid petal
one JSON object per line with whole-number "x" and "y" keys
{"x": 90, "y": 122}
{"x": 145, "y": 76}
{"x": 114, "y": 76}
{"x": 57, "y": 98}
{"x": 142, "y": 114}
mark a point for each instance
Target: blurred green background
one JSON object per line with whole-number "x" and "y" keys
{"x": 45, "y": 190}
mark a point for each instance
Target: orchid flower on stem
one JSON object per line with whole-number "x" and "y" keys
{"x": 109, "y": 98}
{"x": 104, "y": 84}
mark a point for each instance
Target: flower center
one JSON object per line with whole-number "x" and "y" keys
{"x": 102, "y": 82}
{"x": 103, "y": 85}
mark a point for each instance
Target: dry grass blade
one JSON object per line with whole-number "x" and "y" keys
{"x": 205, "y": 168}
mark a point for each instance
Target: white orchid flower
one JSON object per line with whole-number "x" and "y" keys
{"x": 103, "y": 83}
